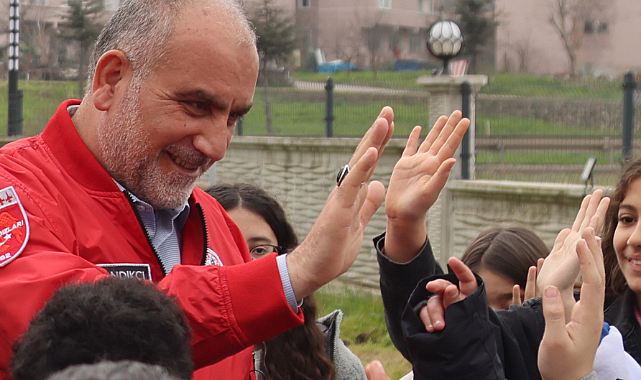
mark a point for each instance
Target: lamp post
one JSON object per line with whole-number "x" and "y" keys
{"x": 445, "y": 41}
{"x": 15, "y": 94}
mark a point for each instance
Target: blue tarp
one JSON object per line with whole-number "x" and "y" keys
{"x": 332, "y": 67}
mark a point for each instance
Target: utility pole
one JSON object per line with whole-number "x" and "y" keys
{"x": 15, "y": 94}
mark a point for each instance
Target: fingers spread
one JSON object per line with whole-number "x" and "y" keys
{"x": 412, "y": 142}
{"x": 447, "y": 130}
{"x": 439, "y": 179}
{"x": 434, "y": 133}
{"x": 454, "y": 140}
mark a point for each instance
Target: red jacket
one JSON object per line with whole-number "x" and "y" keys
{"x": 78, "y": 219}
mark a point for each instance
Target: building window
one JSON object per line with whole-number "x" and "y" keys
{"x": 385, "y": 4}
{"x": 426, "y": 6}
{"x": 417, "y": 43}
{"x": 304, "y": 3}
{"x": 594, "y": 26}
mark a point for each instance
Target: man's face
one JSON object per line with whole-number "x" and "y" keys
{"x": 169, "y": 128}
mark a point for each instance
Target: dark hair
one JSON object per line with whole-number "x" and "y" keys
{"x": 122, "y": 370}
{"x": 615, "y": 281}
{"x": 509, "y": 252}
{"x": 257, "y": 200}
{"x": 112, "y": 319}
{"x": 300, "y": 352}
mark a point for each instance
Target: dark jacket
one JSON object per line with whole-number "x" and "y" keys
{"x": 477, "y": 343}
{"x": 621, "y": 315}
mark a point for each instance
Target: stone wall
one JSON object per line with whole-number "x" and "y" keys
{"x": 301, "y": 172}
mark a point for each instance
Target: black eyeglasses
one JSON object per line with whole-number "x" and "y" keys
{"x": 264, "y": 250}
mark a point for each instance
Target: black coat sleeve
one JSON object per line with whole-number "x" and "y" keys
{"x": 397, "y": 282}
{"x": 477, "y": 343}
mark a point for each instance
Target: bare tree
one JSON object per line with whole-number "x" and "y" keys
{"x": 374, "y": 37}
{"x": 568, "y": 17}
{"x": 37, "y": 40}
{"x": 478, "y": 22}
{"x": 82, "y": 24}
{"x": 276, "y": 41}
{"x": 348, "y": 43}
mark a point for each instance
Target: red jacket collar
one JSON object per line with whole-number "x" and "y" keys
{"x": 74, "y": 156}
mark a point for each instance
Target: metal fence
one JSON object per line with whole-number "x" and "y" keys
{"x": 548, "y": 132}
{"x": 527, "y": 129}
{"x": 301, "y": 109}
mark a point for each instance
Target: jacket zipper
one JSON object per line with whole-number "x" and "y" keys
{"x": 144, "y": 229}
{"x": 205, "y": 233}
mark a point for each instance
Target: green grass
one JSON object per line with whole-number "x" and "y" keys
{"x": 41, "y": 99}
{"x": 498, "y": 84}
{"x": 363, "y": 328}
{"x": 295, "y": 113}
{"x": 546, "y": 86}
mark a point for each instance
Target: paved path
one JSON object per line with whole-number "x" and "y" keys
{"x": 353, "y": 88}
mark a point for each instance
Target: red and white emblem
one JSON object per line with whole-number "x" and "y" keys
{"x": 14, "y": 226}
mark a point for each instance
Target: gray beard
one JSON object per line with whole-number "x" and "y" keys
{"x": 124, "y": 146}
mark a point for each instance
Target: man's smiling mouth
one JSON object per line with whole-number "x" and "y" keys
{"x": 182, "y": 163}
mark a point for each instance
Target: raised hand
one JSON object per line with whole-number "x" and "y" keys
{"x": 531, "y": 289}
{"x": 445, "y": 294}
{"x": 333, "y": 243}
{"x": 416, "y": 182}
{"x": 561, "y": 267}
{"x": 567, "y": 350}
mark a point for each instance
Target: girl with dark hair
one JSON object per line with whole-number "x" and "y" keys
{"x": 312, "y": 351}
{"x": 622, "y": 257}
{"x": 503, "y": 257}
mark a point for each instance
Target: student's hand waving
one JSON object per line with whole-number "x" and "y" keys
{"x": 561, "y": 267}
{"x": 567, "y": 350}
{"x": 416, "y": 182}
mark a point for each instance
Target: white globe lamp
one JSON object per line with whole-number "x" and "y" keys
{"x": 445, "y": 41}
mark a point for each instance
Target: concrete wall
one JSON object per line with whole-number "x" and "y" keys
{"x": 301, "y": 172}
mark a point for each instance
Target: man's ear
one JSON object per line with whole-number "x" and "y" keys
{"x": 113, "y": 73}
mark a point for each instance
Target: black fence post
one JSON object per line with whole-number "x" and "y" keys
{"x": 239, "y": 127}
{"x": 629, "y": 85}
{"x": 466, "y": 91}
{"x": 14, "y": 126}
{"x": 329, "y": 107}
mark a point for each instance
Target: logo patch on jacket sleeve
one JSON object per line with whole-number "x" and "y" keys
{"x": 14, "y": 226}
{"x": 212, "y": 258}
